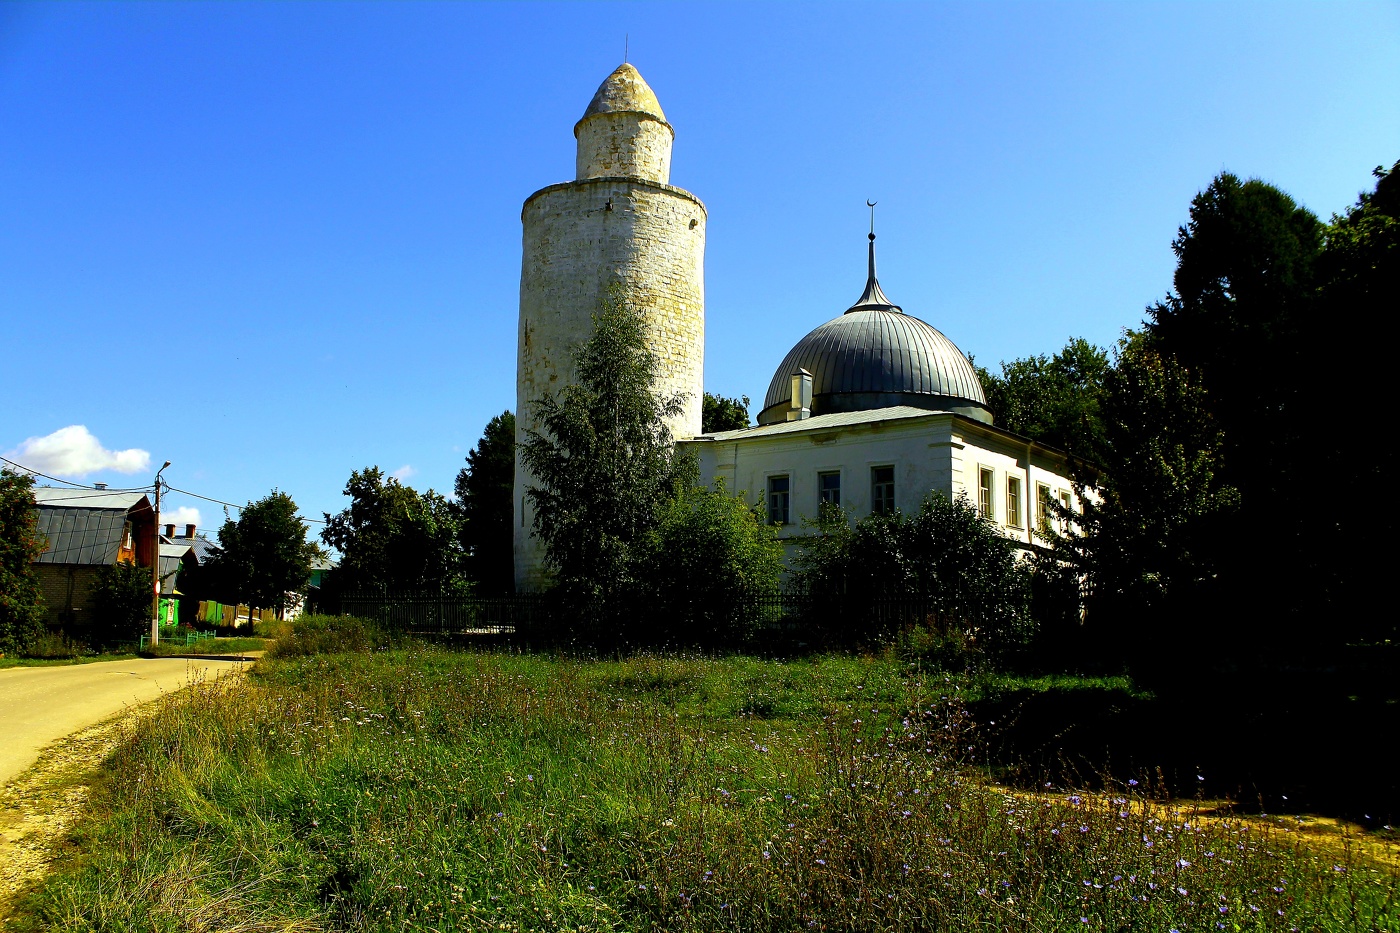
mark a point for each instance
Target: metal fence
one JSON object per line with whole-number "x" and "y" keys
{"x": 775, "y": 618}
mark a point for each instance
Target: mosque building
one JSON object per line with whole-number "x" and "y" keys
{"x": 871, "y": 411}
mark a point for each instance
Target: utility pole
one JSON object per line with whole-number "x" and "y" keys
{"x": 155, "y": 566}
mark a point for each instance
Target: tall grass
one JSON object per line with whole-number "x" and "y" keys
{"x": 421, "y": 789}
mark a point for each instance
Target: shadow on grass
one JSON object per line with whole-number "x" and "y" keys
{"x": 1271, "y": 738}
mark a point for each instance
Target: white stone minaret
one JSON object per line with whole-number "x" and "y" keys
{"x": 620, "y": 222}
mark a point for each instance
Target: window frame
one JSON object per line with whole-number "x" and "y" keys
{"x": 877, "y": 507}
{"x": 822, "y": 477}
{"x": 987, "y": 508}
{"x": 1013, "y": 501}
{"x": 786, "y": 493}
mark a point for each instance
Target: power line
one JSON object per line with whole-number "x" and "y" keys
{"x": 56, "y": 479}
{"x": 232, "y": 505}
{"x": 100, "y": 490}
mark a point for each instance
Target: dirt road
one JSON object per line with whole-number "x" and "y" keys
{"x": 40, "y": 705}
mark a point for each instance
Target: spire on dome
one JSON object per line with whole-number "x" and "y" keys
{"x": 873, "y": 298}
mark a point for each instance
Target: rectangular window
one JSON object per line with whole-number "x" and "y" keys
{"x": 1013, "y": 501}
{"x": 882, "y": 490}
{"x": 984, "y": 493}
{"x": 778, "y": 489}
{"x": 1042, "y": 505}
{"x": 1065, "y": 501}
{"x": 829, "y": 487}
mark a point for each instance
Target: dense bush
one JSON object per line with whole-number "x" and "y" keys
{"x": 709, "y": 555}
{"x": 121, "y": 597}
{"x": 961, "y": 570}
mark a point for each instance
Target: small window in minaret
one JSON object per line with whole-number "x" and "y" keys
{"x": 829, "y": 487}
{"x": 1013, "y": 501}
{"x": 984, "y": 493}
{"x": 882, "y": 490}
{"x": 778, "y": 489}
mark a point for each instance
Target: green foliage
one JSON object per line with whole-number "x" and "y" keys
{"x": 1054, "y": 400}
{"x": 54, "y": 646}
{"x": 724, "y": 414}
{"x": 21, "y": 606}
{"x": 485, "y": 491}
{"x": 392, "y": 537}
{"x": 121, "y": 596}
{"x": 604, "y": 465}
{"x": 1151, "y": 531}
{"x": 424, "y": 790}
{"x": 312, "y": 634}
{"x": 945, "y": 554}
{"x": 1359, "y": 271}
{"x": 708, "y": 554}
{"x": 261, "y": 557}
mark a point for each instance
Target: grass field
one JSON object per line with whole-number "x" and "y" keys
{"x": 422, "y": 789}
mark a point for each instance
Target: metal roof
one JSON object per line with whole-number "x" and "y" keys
{"x": 823, "y": 422}
{"x": 81, "y": 536}
{"x": 876, "y": 356}
{"x": 53, "y": 497}
{"x": 84, "y": 526}
{"x": 877, "y": 351}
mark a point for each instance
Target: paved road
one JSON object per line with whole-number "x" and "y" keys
{"x": 40, "y": 705}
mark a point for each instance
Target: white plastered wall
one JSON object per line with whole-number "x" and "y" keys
{"x": 937, "y": 452}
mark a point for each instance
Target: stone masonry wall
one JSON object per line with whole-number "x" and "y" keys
{"x": 578, "y": 238}
{"x": 633, "y": 145}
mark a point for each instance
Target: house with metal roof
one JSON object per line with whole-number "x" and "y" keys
{"x": 85, "y": 530}
{"x": 871, "y": 412}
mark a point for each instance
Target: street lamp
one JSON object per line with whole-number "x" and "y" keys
{"x": 155, "y": 565}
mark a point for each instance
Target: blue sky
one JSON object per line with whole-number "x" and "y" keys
{"x": 273, "y": 243}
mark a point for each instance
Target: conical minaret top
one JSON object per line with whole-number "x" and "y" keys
{"x": 873, "y": 298}
{"x": 624, "y": 133}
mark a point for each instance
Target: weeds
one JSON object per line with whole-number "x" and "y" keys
{"x": 422, "y": 789}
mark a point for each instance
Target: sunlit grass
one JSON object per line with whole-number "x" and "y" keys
{"x": 424, "y": 789}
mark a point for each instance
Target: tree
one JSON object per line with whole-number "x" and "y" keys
{"x": 392, "y": 537}
{"x": 262, "y": 556}
{"x": 724, "y": 414}
{"x": 21, "y": 605}
{"x": 603, "y": 463}
{"x": 1240, "y": 318}
{"x": 1359, "y": 275}
{"x": 947, "y": 556}
{"x": 485, "y": 492}
{"x": 1152, "y": 542}
{"x": 1054, "y": 400}
{"x": 121, "y": 596}
{"x": 708, "y": 556}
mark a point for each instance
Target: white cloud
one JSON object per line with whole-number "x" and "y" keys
{"x": 184, "y": 515}
{"x": 403, "y": 472}
{"x": 74, "y": 452}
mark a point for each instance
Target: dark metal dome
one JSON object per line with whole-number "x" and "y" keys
{"x": 876, "y": 356}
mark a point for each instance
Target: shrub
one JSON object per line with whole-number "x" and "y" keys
{"x": 317, "y": 634}
{"x": 121, "y": 596}
{"x": 53, "y": 645}
{"x": 709, "y": 554}
{"x": 959, "y": 574}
